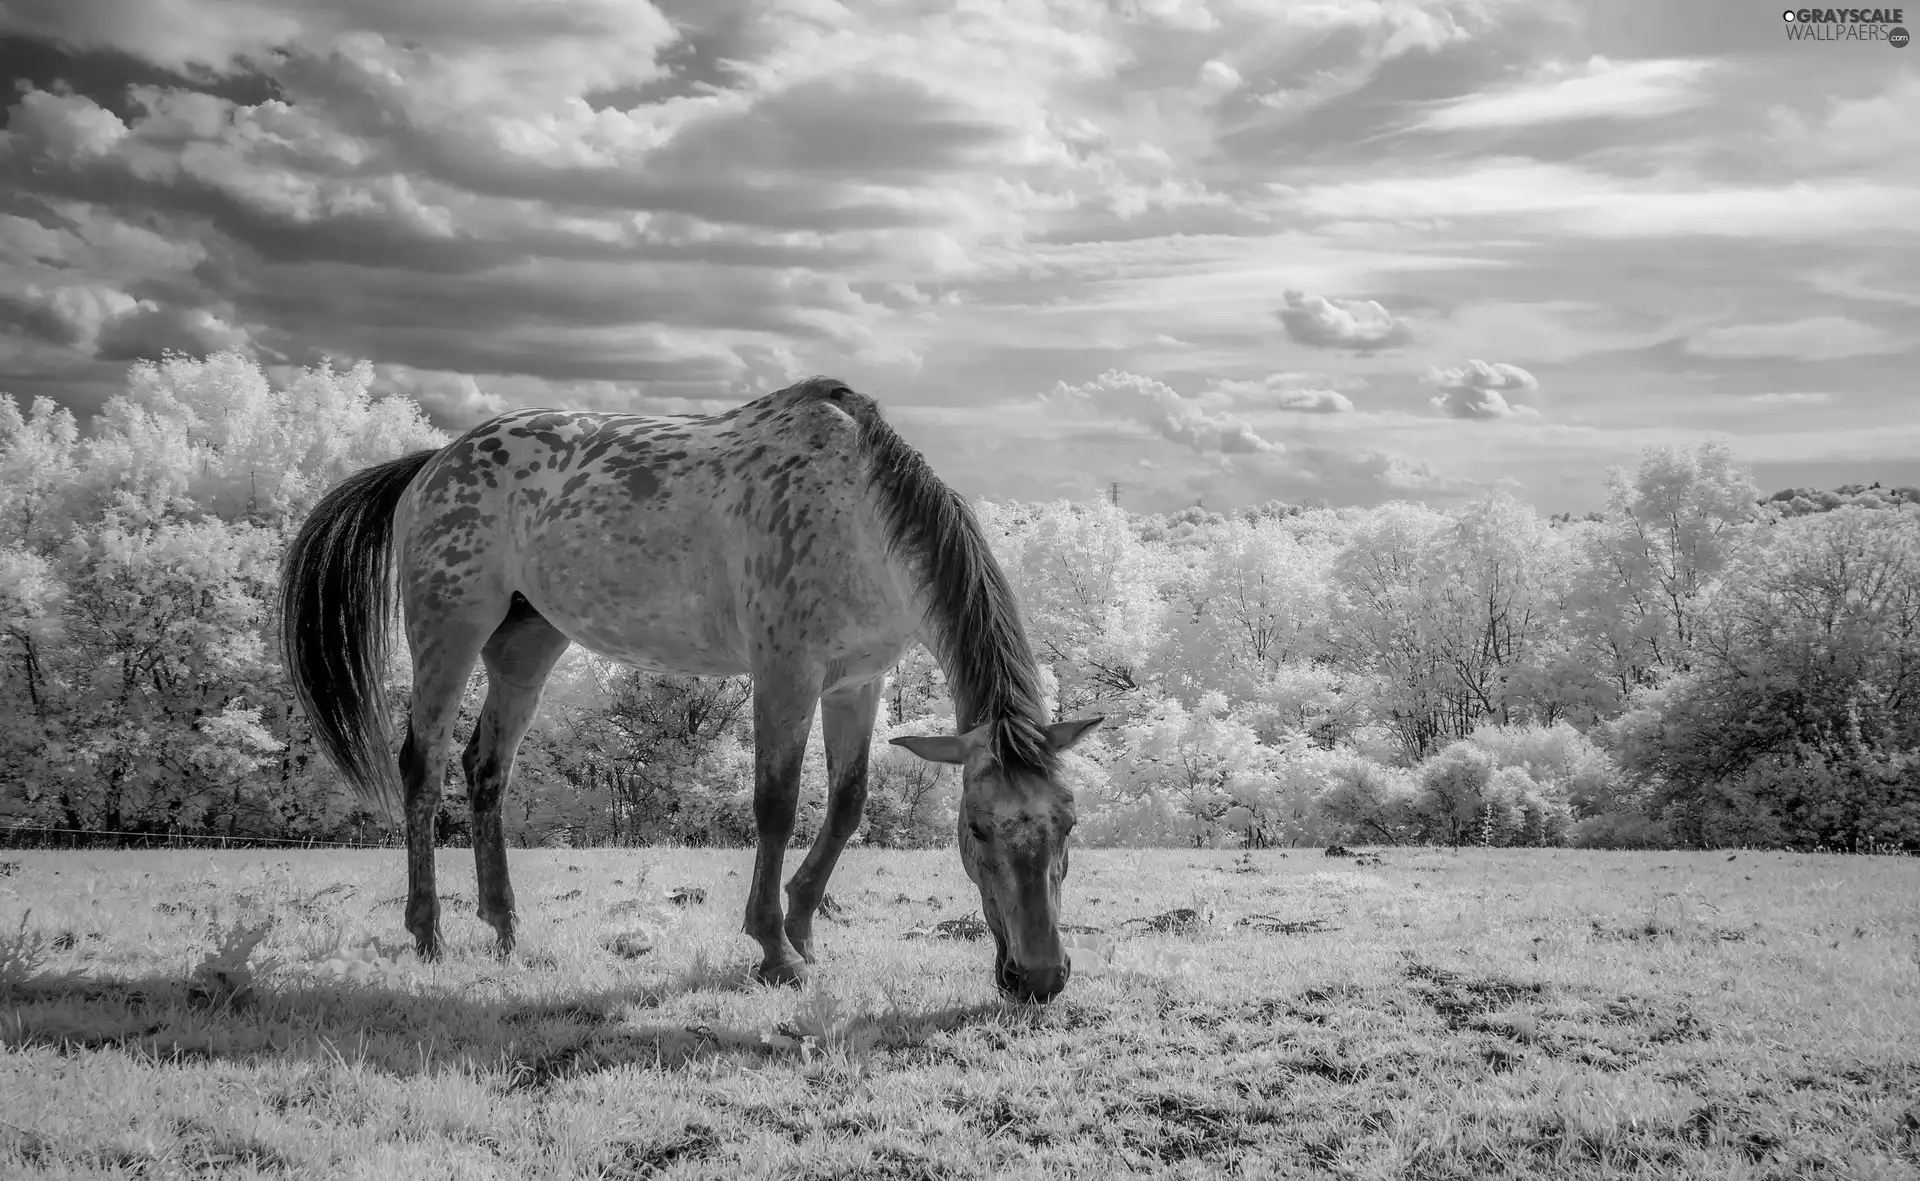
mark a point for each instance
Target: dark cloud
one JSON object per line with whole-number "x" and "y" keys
{"x": 801, "y": 160}
{"x": 223, "y": 38}
{"x": 37, "y": 318}
{"x": 108, "y": 76}
{"x": 147, "y": 334}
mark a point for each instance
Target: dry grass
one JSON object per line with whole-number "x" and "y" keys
{"x": 1450, "y": 1015}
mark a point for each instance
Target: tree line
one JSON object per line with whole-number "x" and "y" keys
{"x": 1694, "y": 665}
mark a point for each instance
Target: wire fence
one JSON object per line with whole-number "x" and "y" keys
{"x": 24, "y": 837}
{"x": 36, "y": 837}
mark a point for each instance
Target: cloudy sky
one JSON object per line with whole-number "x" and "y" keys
{"x": 1231, "y": 249}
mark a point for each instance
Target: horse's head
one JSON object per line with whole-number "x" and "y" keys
{"x": 1013, "y": 842}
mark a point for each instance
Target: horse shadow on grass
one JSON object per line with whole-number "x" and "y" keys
{"x": 410, "y": 1032}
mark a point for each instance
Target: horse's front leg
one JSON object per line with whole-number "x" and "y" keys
{"x": 846, "y": 718}
{"x": 783, "y": 703}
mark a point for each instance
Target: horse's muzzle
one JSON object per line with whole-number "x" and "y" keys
{"x": 1037, "y": 985}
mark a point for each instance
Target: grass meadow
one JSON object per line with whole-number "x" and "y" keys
{"x": 1429, "y": 1013}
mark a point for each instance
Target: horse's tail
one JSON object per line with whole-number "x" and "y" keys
{"x": 336, "y": 609}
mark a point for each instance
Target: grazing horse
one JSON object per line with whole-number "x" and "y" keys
{"x": 797, "y": 538}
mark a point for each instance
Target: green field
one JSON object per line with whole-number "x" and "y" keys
{"x": 1472, "y": 1014}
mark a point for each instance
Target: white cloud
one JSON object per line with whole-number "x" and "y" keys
{"x": 1131, "y": 397}
{"x": 1815, "y": 338}
{"x": 1193, "y": 16}
{"x": 1855, "y": 283}
{"x": 1282, "y": 391}
{"x": 1877, "y": 130}
{"x": 1219, "y": 77}
{"x": 1313, "y": 401}
{"x": 1549, "y": 331}
{"x": 1558, "y": 93}
{"x": 1481, "y": 390}
{"x": 1790, "y": 398}
{"x": 67, "y": 128}
{"x": 1550, "y": 198}
{"x": 1341, "y": 323}
{"x": 454, "y": 398}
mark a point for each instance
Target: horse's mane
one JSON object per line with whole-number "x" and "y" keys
{"x": 974, "y": 616}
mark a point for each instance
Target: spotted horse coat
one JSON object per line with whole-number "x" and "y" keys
{"x": 797, "y": 539}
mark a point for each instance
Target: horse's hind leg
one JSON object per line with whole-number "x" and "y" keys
{"x": 444, "y": 649}
{"x": 846, "y": 722}
{"x": 519, "y": 657}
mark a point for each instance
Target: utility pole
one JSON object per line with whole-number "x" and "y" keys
{"x": 1113, "y": 494}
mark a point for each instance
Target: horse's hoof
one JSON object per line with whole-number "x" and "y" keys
{"x": 789, "y": 973}
{"x": 804, "y": 945}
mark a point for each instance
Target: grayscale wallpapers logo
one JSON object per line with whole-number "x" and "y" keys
{"x": 1847, "y": 24}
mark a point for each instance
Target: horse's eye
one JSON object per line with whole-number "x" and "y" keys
{"x": 979, "y": 831}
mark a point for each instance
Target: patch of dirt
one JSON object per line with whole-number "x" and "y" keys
{"x": 206, "y": 1148}
{"x": 1658, "y": 1021}
{"x": 652, "y": 1155}
{"x": 573, "y": 1014}
{"x": 542, "y": 1070}
{"x": 1321, "y": 1062}
{"x": 1652, "y": 929}
{"x": 1002, "y": 1115}
{"x": 1182, "y": 920}
{"x": 1458, "y": 999}
{"x": 629, "y": 945}
{"x": 966, "y": 928}
{"x": 1268, "y": 924}
{"x": 1184, "y": 1124}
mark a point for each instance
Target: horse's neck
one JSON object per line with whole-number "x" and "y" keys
{"x": 929, "y": 639}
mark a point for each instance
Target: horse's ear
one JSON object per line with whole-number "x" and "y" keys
{"x": 1062, "y": 735}
{"x": 935, "y": 748}
{"x": 947, "y": 748}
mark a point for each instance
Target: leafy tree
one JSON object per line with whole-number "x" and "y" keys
{"x": 1091, "y": 593}
{"x": 1203, "y": 762}
{"x": 1647, "y": 567}
{"x": 136, "y": 573}
{"x": 1381, "y": 629}
{"x": 1809, "y": 659}
{"x": 1261, "y": 603}
{"x": 1444, "y": 612}
{"x": 1797, "y": 502}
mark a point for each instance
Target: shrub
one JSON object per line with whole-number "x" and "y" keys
{"x": 1365, "y": 801}
{"x": 1564, "y": 763}
{"x": 1619, "y": 830}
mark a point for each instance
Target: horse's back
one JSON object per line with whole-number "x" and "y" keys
{"x": 683, "y": 544}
